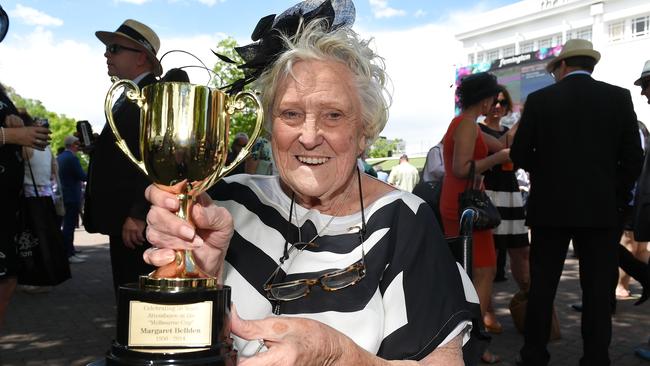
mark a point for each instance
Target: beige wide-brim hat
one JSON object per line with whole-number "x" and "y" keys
{"x": 645, "y": 73}
{"x": 140, "y": 34}
{"x": 572, "y": 48}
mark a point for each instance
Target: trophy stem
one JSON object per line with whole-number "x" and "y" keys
{"x": 183, "y": 271}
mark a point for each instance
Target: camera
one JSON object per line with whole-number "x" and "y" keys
{"x": 42, "y": 122}
{"x": 85, "y": 132}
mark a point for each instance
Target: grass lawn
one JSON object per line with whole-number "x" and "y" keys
{"x": 388, "y": 163}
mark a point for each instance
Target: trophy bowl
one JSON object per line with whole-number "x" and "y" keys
{"x": 178, "y": 314}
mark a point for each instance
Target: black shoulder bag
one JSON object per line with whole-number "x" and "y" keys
{"x": 473, "y": 197}
{"x": 41, "y": 252}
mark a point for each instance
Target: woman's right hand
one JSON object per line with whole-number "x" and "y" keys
{"x": 208, "y": 238}
{"x": 503, "y": 156}
{"x": 17, "y": 134}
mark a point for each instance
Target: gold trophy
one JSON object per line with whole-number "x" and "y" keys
{"x": 177, "y": 315}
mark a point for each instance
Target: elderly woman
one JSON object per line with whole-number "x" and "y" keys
{"x": 329, "y": 265}
{"x": 463, "y": 144}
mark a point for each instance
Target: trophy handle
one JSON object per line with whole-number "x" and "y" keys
{"x": 238, "y": 104}
{"x": 133, "y": 93}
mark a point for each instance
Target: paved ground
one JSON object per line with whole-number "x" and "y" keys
{"x": 74, "y": 323}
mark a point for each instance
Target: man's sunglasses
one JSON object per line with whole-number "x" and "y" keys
{"x": 116, "y": 48}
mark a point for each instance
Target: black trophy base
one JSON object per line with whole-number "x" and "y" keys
{"x": 123, "y": 356}
{"x": 163, "y": 327}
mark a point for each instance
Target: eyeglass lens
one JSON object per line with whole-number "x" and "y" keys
{"x": 502, "y": 102}
{"x": 332, "y": 281}
{"x": 344, "y": 278}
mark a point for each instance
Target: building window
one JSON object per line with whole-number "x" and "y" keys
{"x": 584, "y": 33}
{"x": 470, "y": 58}
{"x": 557, "y": 40}
{"x": 545, "y": 43}
{"x": 492, "y": 55}
{"x": 616, "y": 31}
{"x": 479, "y": 57}
{"x": 640, "y": 26}
{"x": 509, "y": 51}
{"x": 526, "y": 47}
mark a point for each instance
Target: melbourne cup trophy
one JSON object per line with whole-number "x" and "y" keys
{"x": 178, "y": 314}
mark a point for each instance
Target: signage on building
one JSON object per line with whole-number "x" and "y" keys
{"x": 547, "y": 4}
{"x": 543, "y": 54}
{"x": 520, "y": 74}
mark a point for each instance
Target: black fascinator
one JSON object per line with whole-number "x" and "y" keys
{"x": 267, "y": 43}
{"x": 4, "y": 23}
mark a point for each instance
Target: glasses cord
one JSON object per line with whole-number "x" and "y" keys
{"x": 285, "y": 255}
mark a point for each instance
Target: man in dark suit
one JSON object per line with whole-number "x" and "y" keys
{"x": 71, "y": 175}
{"x": 115, "y": 203}
{"x": 579, "y": 140}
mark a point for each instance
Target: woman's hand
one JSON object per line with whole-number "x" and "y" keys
{"x": 17, "y": 134}
{"x": 293, "y": 341}
{"x": 209, "y": 238}
{"x": 502, "y": 156}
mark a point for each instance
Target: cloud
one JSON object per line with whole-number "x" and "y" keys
{"x": 421, "y": 73}
{"x": 420, "y": 13}
{"x": 210, "y": 2}
{"x": 32, "y": 16}
{"x": 200, "y": 46}
{"x": 380, "y": 9}
{"x": 77, "y": 87}
{"x": 43, "y": 69}
{"x": 134, "y": 2}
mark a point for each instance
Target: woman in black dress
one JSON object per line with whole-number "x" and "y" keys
{"x": 502, "y": 188}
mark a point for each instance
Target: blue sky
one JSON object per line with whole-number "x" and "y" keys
{"x": 51, "y": 53}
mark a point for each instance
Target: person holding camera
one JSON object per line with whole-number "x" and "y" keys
{"x": 13, "y": 136}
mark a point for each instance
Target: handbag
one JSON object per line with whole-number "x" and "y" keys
{"x": 41, "y": 252}
{"x": 473, "y": 197}
{"x": 517, "y": 308}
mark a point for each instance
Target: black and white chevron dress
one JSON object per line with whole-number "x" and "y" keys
{"x": 414, "y": 297}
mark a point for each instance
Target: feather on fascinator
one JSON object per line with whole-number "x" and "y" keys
{"x": 268, "y": 44}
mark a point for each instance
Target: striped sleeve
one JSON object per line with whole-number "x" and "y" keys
{"x": 425, "y": 296}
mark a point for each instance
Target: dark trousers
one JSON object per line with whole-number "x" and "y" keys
{"x": 632, "y": 266}
{"x": 126, "y": 263}
{"x": 70, "y": 222}
{"x": 598, "y": 258}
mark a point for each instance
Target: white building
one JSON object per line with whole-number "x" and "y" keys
{"x": 619, "y": 30}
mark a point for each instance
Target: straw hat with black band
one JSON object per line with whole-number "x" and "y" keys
{"x": 139, "y": 33}
{"x": 645, "y": 73}
{"x": 573, "y": 48}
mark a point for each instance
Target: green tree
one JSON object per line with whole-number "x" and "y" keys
{"x": 384, "y": 147}
{"x": 227, "y": 73}
{"x": 60, "y": 124}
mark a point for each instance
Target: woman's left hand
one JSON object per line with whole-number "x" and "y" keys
{"x": 292, "y": 341}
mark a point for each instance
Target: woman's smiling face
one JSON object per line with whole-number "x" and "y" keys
{"x": 317, "y": 129}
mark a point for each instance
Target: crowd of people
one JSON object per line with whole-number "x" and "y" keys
{"x": 332, "y": 264}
